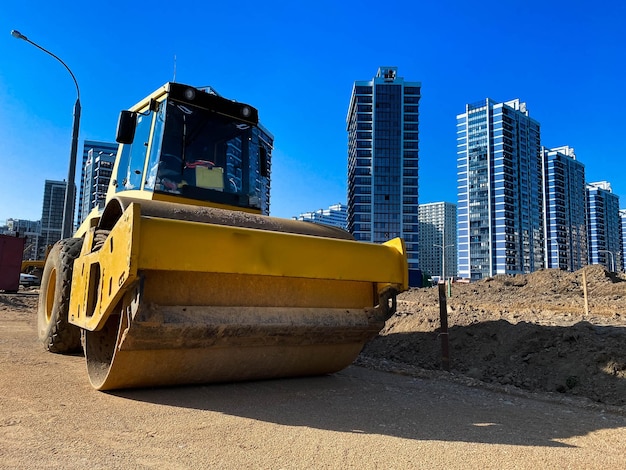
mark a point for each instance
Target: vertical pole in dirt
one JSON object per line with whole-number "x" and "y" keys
{"x": 585, "y": 292}
{"x": 443, "y": 317}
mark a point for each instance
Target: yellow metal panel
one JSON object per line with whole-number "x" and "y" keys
{"x": 101, "y": 278}
{"x": 191, "y": 263}
{"x": 190, "y": 246}
{"x": 398, "y": 244}
{"x": 90, "y": 222}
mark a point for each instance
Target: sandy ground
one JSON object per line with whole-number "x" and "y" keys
{"x": 50, "y": 417}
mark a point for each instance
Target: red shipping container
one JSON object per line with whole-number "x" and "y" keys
{"x": 11, "y": 252}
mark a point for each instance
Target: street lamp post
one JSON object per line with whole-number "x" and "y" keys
{"x": 443, "y": 259}
{"x": 612, "y": 267}
{"x": 443, "y": 247}
{"x": 68, "y": 208}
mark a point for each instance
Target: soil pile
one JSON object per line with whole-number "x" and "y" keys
{"x": 530, "y": 332}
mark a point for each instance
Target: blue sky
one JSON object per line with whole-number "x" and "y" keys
{"x": 296, "y": 62}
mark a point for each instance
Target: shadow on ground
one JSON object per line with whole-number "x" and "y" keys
{"x": 360, "y": 400}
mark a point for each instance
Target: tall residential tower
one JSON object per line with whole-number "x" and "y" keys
{"x": 565, "y": 218}
{"x": 98, "y": 159}
{"x": 622, "y": 220}
{"x": 382, "y": 125}
{"x": 500, "y": 223}
{"x": 603, "y": 225}
{"x": 51, "y": 215}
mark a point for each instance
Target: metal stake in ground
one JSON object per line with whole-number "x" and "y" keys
{"x": 443, "y": 317}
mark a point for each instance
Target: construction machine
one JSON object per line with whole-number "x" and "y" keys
{"x": 35, "y": 266}
{"x": 182, "y": 278}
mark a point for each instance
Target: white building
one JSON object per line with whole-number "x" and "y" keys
{"x": 437, "y": 242}
{"x": 335, "y": 215}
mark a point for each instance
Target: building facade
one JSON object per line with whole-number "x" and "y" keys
{"x": 565, "y": 215}
{"x": 98, "y": 159}
{"x": 622, "y": 221}
{"x": 437, "y": 239}
{"x": 500, "y": 223}
{"x": 603, "y": 226}
{"x": 30, "y": 230}
{"x": 335, "y": 215}
{"x": 383, "y": 154}
{"x": 51, "y": 214}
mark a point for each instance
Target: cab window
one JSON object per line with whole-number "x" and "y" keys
{"x": 133, "y": 158}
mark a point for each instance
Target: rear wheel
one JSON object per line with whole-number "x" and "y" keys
{"x": 55, "y": 332}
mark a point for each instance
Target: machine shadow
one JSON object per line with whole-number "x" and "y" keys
{"x": 359, "y": 400}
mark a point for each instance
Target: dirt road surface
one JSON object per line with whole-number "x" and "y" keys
{"x": 50, "y": 417}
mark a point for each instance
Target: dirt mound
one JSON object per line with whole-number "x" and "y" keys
{"x": 528, "y": 331}
{"x": 26, "y": 300}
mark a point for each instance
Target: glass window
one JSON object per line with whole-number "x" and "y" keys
{"x": 133, "y": 157}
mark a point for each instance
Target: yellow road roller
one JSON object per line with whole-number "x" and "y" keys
{"x": 182, "y": 278}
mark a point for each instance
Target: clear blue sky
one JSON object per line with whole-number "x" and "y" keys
{"x": 296, "y": 62}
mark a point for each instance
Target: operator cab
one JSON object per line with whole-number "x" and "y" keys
{"x": 193, "y": 144}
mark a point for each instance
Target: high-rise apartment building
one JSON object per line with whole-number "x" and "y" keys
{"x": 51, "y": 214}
{"x": 98, "y": 159}
{"x": 383, "y": 144}
{"x": 565, "y": 217}
{"x": 335, "y": 215}
{"x": 437, "y": 235}
{"x": 622, "y": 221}
{"x": 500, "y": 223}
{"x": 603, "y": 229}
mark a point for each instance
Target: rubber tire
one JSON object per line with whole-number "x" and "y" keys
{"x": 54, "y": 330}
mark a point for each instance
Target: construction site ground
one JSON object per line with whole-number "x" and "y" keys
{"x": 528, "y": 333}
{"x": 534, "y": 382}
